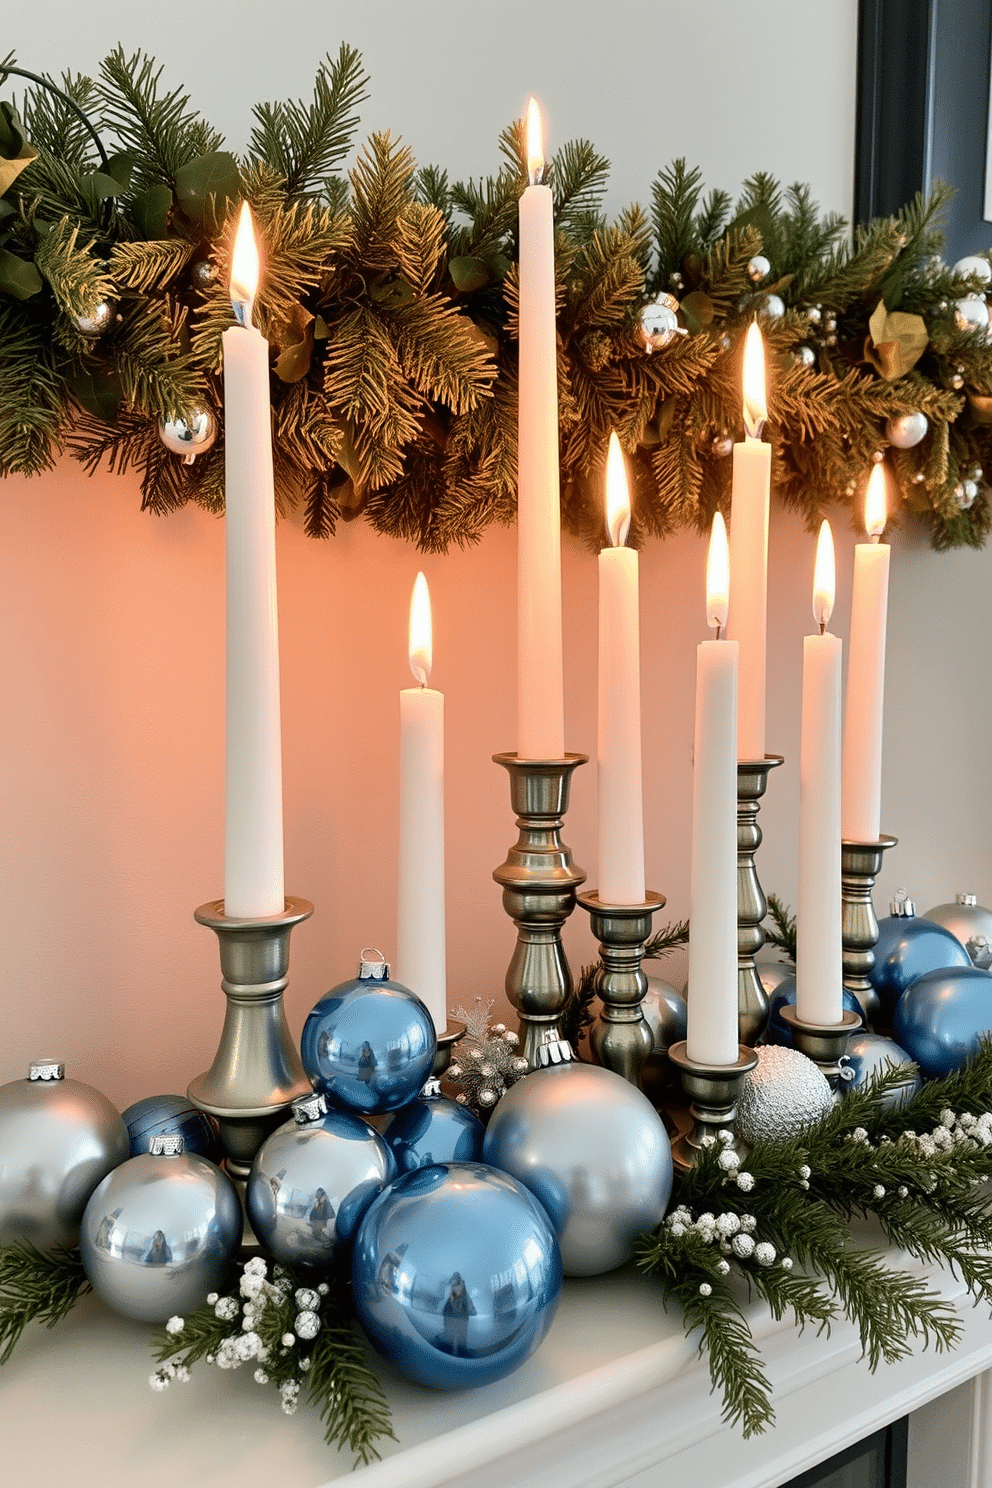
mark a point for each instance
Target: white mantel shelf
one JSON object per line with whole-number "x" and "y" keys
{"x": 615, "y": 1396}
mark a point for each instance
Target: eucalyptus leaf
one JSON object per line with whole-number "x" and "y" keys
{"x": 468, "y": 273}
{"x": 153, "y": 212}
{"x": 699, "y": 310}
{"x": 19, "y": 279}
{"x": 97, "y": 391}
{"x": 392, "y": 293}
{"x": 207, "y": 187}
{"x": 121, "y": 166}
{"x": 15, "y": 151}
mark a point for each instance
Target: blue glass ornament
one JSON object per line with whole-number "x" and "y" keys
{"x": 941, "y": 1017}
{"x": 456, "y": 1275}
{"x": 909, "y": 945}
{"x": 165, "y": 1115}
{"x": 312, "y": 1181}
{"x": 160, "y": 1232}
{"x": 433, "y": 1129}
{"x": 369, "y": 1044}
{"x": 869, "y": 1054}
{"x": 778, "y": 1032}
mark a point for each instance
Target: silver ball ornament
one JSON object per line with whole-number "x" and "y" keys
{"x": 782, "y": 1094}
{"x": 906, "y": 430}
{"x": 771, "y": 307}
{"x": 203, "y": 273}
{"x": 160, "y": 1232}
{"x": 58, "y": 1139}
{"x": 975, "y": 267}
{"x": 968, "y": 922}
{"x": 758, "y": 268}
{"x": 660, "y": 322}
{"x": 804, "y": 356}
{"x": 722, "y": 446}
{"x": 965, "y": 493}
{"x": 99, "y": 319}
{"x": 869, "y": 1054}
{"x": 190, "y": 434}
{"x": 971, "y": 314}
{"x": 592, "y": 1148}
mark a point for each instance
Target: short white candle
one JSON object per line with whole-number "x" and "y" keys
{"x": 711, "y": 1036}
{"x": 861, "y": 796}
{"x": 819, "y": 997}
{"x": 621, "y": 814}
{"x": 253, "y": 844}
{"x": 420, "y": 928}
{"x": 747, "y": 622}
{"x": 540, "y": 685}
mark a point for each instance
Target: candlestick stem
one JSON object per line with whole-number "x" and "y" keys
{"x": 539, "y": 882}
{"x": 713, "y": 1091}
{"x": 824, "y": 1043}
{"x": 752, "y": 906}
{"x": 621, "y": 1039}
{"x": 860, "y": 863}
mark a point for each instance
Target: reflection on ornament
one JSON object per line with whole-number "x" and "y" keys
{"x": 771, "y": 307}
{"x": 969, "y": 923}
{"x": 909, "y": 945}
{"x": 160, "y": 1232}
{"x": 975, "y": 267}
{"x": 456, "y": 1275}
{"x": 58, "y": 1139}
{"x": 369, "y": 1043}
{"x": 660, "y": 322}
{"x": 313, "y": 1180}
{"x": 940, "y": 1019}
{"x": 971, "y": 313}
{"x": 433, "y": 1129}
{"x": 758, "y": 268}
{"x": 783, "y": 1093}
{"x": 722, "y": 446}
{"x": 804, "y": 356}
{"x": 595, "y": 1152}
{"x": 97, "y": 321}
{"x": 189, "y": 435}
{"x": 166, "y": 1115}
{"x": 868, "y": 1054}
{"x": 906, "y": 430}
{"x": 771, "y": 973}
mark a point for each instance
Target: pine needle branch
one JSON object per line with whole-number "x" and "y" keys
{"x": 36, "y": 1286}
{"x": 783, "y": 927}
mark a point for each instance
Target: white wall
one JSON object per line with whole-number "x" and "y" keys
{"x": 111, "y": 671}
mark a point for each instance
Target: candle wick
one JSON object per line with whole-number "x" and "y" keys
{"x": 719, "y": 630}
{"x": 823, "y": 627}
{"x": 875, "y": 537}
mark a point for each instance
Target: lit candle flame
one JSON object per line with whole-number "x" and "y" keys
{"x": 718, "y": 575}
{"x": 617, "y": 494}
{"x": 535, "y": 144}
{"x": 755, "y": 404}
{"x": 244, "y": 267}
{"x": 876, "y": 503}
{"x": 421, "y": 648}
{"x": 824, "y": 577}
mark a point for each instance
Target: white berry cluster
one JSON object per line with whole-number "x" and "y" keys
{"x": 733, "y": 1233}
{"x": 488, "y": 1062}
{"x": 954, "y": 1132}
{"x": 729, "y": 1160}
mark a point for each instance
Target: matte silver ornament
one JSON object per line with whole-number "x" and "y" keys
{"x": 58, "y": 1139}
{"x": 906, "y": 430}
{"x": 781, "y": 1095}
{"x": 660, "y": 322}
{"x": 965, "y": 493}
{"x": 190, "y": 434}
{"x": 977, "y": 268}
{"x": 160, "y": 1232}
{"x": 971, "y": 313}
{"x": 969, "y": 923}
{"x": 771, "y": 307}
{"x": 758, "y": 268}
{"x": 593, "y": 1150}
{"x": 97, "y": 321}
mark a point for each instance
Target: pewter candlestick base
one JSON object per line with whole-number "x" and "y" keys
{"x": 713, "y": 1091}
{"x": 752, "y": 906}
{"x": 539, "y": 882}
{"x": 446, "y": 1042}
{"x": 621, "y": 1040}
{"x": 824, "y": 1043}
{"x": 256, "y": 1071}
{"x": 860, "y": 862}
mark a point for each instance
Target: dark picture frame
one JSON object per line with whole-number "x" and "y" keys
{"x": 923, "y": 111}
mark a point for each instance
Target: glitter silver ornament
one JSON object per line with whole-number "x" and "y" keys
{"x": 189, "y": 435}
{"x": 58, "y": 1139}
{"x": 771, "y": 307}
{"x": 869, "y": 1054}
{"x": 100, "y": 319}
{"x": 906, "y": 430}
{"x": 758, "y": 268}
{"x": 160, "y": 1232}
{"x": 975, "y": 267}
{"x": 969, "y": 923}
{"x": 782, "y": 1094}
{"x": 312, "y": 1181}
{"x": 593, "y": 1150}
{"x": 660, "y": 322}
{"x": 203, "y": 273}
{"x": 971, "y": 314}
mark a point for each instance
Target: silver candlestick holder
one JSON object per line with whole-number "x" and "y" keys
{"x": 860, "y": 864}
{"x": 752, "y": 906}
{"x": 824, "y": 1043}
{"x": 621, "y": 1039}
{"x": 713, "y": 1091}
{"x": 539, "y": 882}
{"x": 446, "y": 1042}
{"x": 257, "y": 1070}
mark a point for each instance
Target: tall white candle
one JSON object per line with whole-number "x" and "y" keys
{"x": 253, "y": 845}
{"x": 818, "y": 912}
{"x": 861, "y": 796}
{"x": 621, "y": 815}
{"x": 420, "y": 924}
{"x": 540, "y": 687}
{"x": 711, "y": 1036}
{"x": 749, "y": 552}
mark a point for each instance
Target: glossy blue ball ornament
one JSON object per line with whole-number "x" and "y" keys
{"x": 312, "y": 1181}
{"x": 908, "y": 946}
{"x": 369, "y": 1044}
{"x": 456, "y": 1275}
{"x": 165, "y": 1115}
{"x": 778, "y": 1031}
{"x": 940, "y": 1018}
{"x": 433, "y": 1129}
{"x": 869, "y": 1054}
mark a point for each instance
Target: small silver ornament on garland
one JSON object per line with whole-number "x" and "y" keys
{"x": 758, "y": 268}
{"x": 189, "y": 435}
{"x": 971, "y": 314}
{"x": 771, "y": 307}
{"x": 907, "y": 430}
{"x": 660, "y": 323}
{"x": 99, "y": 319}
{"x": 965, "y": 493}
{"x": 781, "y": 1095}
{"x": 804, "y": 356}
{"x": 977, "y": 268}
{"x": 203, "y": 273}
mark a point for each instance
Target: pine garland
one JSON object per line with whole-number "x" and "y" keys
{"x": 36, "y": 1286}
{"x": 389, "y": 302}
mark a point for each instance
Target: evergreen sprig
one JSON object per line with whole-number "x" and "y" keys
{"x": 782, "y": 931}
{"x": 36, "y": 1286}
